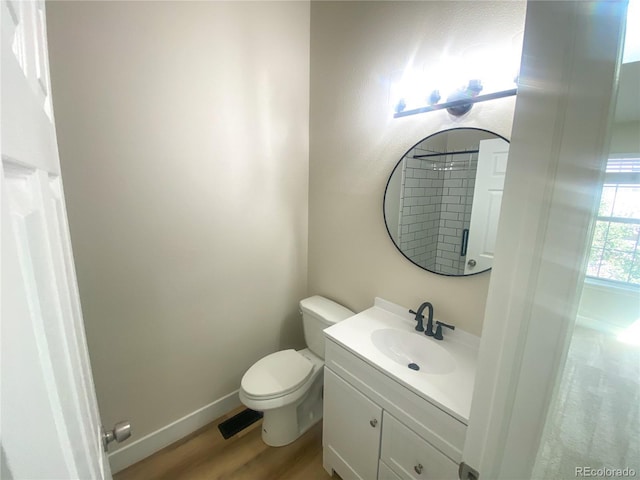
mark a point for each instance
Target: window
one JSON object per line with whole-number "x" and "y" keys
{"x": 615, "y": 254}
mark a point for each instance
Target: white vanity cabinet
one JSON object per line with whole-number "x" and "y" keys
{"x": 376, "y": 428}
{"x": 385, "y": 473}
{"x": 411, "y": 456}
{"x": 352, "y": 430}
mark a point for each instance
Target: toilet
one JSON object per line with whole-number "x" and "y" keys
{"x": 287, "y": 385}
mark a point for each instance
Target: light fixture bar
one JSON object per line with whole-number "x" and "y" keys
{"x": 457, "y": 103}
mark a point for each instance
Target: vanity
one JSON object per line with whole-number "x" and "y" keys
{"x": 396, "y": 403}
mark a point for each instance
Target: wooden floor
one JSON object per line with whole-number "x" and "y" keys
{"x": 205, "y": 454}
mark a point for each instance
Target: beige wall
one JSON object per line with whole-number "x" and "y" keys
{"x": 183, "y": 136}
{"x": 355, "y": 143}
{"x": 625, "y": 138}
{"x": 604, "y": 306}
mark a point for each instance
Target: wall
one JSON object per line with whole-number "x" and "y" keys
{"x": 355, "y": 143}
{"x": 625, "y": 138}
{"x": 420, "y": 209}
{"x": 183, "y": 136}
{"x": 603, "y": 306}
{"x": 607, "y": 308}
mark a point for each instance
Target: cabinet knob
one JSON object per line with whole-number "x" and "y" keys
{"x": 373, "y": 422}
{"x": 418, "y": 468}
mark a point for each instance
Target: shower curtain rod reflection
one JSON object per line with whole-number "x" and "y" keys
{"x": 459, "y": 152}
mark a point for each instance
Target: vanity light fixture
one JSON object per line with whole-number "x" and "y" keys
{"x": 457, "y": 103}
{"x": 456, "y": 81}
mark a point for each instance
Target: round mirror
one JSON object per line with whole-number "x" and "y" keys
{"x": 442, "y": 201}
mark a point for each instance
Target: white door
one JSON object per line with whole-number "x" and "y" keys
{"x": 50, "y": 424}
{"x": 487, "y": 199}
{"x": 557, "y": 154}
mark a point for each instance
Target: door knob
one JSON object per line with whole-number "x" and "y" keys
{"x": 471, "y": 263}
{"x": 418, "y": 468}
{"x": 373, "y": 422}
{"x": 121, "y": 431}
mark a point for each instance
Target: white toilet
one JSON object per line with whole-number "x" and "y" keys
{"x": 287, "y": 385}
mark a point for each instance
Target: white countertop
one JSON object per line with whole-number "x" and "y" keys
{"x": 450, "y": 392}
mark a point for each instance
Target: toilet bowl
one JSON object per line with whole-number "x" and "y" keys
{"x": 287, "y": 385}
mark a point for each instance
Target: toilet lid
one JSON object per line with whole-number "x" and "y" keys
{"x": 277, "y": 374}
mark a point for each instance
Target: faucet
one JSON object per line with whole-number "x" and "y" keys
{"x": 420, "y": 317}
{"x": 438, "y": 334}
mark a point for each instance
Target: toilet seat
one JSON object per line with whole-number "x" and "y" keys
{"x": 276, "y": 375}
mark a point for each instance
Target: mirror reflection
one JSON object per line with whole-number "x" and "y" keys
{"x": 443, "y": 198}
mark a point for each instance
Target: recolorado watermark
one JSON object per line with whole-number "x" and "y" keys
{"x": 605, "y": 472}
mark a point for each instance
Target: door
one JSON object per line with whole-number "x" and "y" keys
{"x": 50, "y": 423}
{"x": 557, "y": 154}
{"x": 487, "y": 199}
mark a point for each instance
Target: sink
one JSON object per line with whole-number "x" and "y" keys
{"x": 413, "y": 350}
{"x": 384, "y": 336}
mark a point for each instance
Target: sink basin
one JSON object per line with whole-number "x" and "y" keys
{"x": 384, "y": 337}
{"x": 413, "y": 350}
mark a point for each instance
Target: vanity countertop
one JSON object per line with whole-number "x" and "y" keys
{"x": 450, "y": 391}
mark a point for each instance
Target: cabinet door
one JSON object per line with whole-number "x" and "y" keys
{"x": 352, "y": 425}
{"x": 411, "y": 457}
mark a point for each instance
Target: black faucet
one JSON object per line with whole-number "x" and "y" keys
{"x": 438, "y": 334}
{"x": 420, "y": 317}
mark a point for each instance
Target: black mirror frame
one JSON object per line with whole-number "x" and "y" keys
{"x": 384, "y": 197}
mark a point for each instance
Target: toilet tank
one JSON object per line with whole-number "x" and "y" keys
{"x": 319, "y": 313}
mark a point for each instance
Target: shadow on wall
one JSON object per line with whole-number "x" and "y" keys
{"x": 291, "y": 333}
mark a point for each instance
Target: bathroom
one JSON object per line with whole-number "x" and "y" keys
{"x": 222, "y": 161}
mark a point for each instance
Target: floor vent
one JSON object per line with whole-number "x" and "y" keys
{"x": 238, "y": 422}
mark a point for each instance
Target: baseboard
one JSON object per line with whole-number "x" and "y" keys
{"x": 151, "y": 443}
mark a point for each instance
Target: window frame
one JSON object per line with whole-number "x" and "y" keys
{"x": 617, "y": 178}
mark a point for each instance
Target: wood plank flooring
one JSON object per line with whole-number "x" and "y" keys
{"x": 205, "y": 454}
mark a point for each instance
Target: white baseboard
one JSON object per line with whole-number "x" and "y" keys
{"x": 151, "y": 443}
